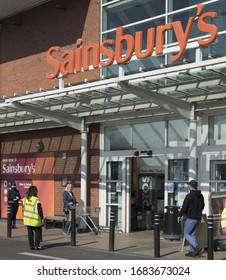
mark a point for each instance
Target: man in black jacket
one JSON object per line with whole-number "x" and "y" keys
{"x": 13, "y": 200}
{"x": 192, "y": 207}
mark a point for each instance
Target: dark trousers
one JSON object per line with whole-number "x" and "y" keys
{"x": 14, "y": 210}
{"x": 34, "y": 236}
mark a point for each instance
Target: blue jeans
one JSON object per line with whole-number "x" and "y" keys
{"x": 67, "y": 225}
{"x": 190, "y": 229}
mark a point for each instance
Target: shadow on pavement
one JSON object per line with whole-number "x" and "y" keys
{"x": 52, "y": 245}
{"x": 124, "y": 248}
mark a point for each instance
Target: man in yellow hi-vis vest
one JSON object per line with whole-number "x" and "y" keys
{"x": 33, "y": 217}
{"x": 223, "y": 219}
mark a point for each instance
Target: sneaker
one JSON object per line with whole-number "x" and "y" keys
{"x": 190, "y": 254}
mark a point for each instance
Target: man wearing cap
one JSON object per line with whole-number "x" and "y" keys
{"x": 192, "y": 207}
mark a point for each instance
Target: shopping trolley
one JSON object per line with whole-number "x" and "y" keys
{"x": 84, "y": 214}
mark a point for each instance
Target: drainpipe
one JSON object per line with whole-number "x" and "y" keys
{"x": 84, "y": 132}
{"x": 83, "y": 187}
{"x": 192, "y": 145}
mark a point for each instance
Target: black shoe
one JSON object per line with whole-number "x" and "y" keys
{"x": 197, "y": 251}
{"x": 14, "y": 226}
{"x": 32, "y": 248}
{"x": 39, "y": 248}
{"x": 190, "y": 254}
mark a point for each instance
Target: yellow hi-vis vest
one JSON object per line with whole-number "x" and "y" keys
{"x": 30, "y": 212}
{"x": 223, "y": 217}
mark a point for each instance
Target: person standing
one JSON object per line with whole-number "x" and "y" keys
{"x": 192, "y": 207}
{"x": 33, "y": 217}
{"x": 13, "y": 196}
{"x": 223, "y": 218}
{"x": 69, "y": 201}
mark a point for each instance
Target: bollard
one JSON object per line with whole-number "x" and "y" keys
{"x": 73, "y": 227}
{"x": 9, "y": 221}
{"x": 112, "y": 231}
{"x": 210, "y": 238}
{"x": 157, "y": 235}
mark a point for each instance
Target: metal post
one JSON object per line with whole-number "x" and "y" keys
{"x": 210, "y": 238}
{"x": 9, "y": 221}
{"x": 112, "y": 231}
{"x": 73, "y": 227}
{"x": 157, "y": 235}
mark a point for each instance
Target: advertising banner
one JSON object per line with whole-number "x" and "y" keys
{"x": 27, "y": 170}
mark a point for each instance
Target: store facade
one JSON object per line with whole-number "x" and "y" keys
{"x": 143, "y": 96}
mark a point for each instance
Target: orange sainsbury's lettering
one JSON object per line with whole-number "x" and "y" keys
{"x": 125, "y": 46}
{"x": 52, "y": 61}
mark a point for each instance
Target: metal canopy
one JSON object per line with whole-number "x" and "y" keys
{"x": 170, "y": 92}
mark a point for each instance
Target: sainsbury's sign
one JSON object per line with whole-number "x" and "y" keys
{"x": 79, "y": 59}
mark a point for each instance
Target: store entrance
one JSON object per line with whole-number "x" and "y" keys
{"x": 147, "y": 196}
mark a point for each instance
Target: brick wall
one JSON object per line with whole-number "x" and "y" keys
{"x": 23, "y": 47}
{"x": 62, "y": 140}
{"x": 23, "y": 68}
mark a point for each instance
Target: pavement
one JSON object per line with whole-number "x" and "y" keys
{"x": 134, "y": 245}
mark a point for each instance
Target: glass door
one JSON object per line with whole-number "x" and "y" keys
{"x": 114, "y": 191}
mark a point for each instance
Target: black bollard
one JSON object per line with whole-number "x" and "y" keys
{"x": 73, "y": 227}
{"x": 112, "y": 231}
{"x": 157, "y": 235}
{"x": 9, "y": 221}
{"x": 210, "y": 238}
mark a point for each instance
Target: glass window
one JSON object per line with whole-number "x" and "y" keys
{"x": 137, "y": 136}
{"x": 177, "y": 5}
{"x": 217, "y": 49}
{"x": 218, "y": 176}
{"x": 113, "y": 193}
{"x": 106, "y": 1}
{"x": 178, "y": 133}
{"x": 217, "y": 130}
{"x": 149, "y": 135}
{"x": 132, "y": 30}
{"x": 178, "y": 170}
{"x": 114, "y": 171}
{"x": 178, "y": 177}
{"x": 128, "y": 11}
{"x": 183, "y": 18}
{"x": 118, "y": 138}
{"x": 217, "y": 7}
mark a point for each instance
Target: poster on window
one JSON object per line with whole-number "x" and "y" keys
{"x": 26, "y": 170}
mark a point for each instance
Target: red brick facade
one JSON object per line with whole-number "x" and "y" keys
{"x": 23, "y": 68}
{"x": 23, "y": 47}
{"x": 59, "y": 141}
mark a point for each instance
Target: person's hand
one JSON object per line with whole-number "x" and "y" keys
{"x": 224, "y": 230}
